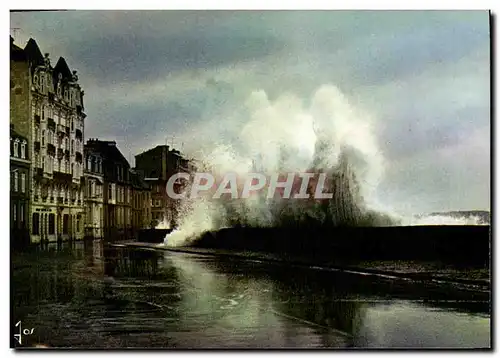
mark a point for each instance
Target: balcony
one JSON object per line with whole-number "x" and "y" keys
{"x": 62, "y": 178}
{"x": 38, "y": 173}
{"x": 51, "y": 124}
{"x": 61, "y": 129}
{"x": 37, "y": 146}
{"x": 51, "y": 149}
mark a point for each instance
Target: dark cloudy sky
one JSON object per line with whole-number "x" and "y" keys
{"x": 423, "y": 75}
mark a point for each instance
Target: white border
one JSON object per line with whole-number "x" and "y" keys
{"x": 192, "y": 4}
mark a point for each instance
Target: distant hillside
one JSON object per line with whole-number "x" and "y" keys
{"x": 484, "y": 216}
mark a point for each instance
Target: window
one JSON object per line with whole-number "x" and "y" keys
{"x": 37, "y": 134}
{"x": 14, "y": 212}
{"x": 23, "y": 150}
{"x": 109, "y": 192}
{"x": 36, "y": 224}
{"x": 89, "y": 164}
{"x": 72, "y": 168}
{"x": 43, "y": 137}
{"x": 23, "y": 182}
{"x": 42, "y": 81}
{"x": 15, "y": 181}
{"x": 21, "y": 213}
{"x": 52, "y": 224}
{"x": 65, "y": 223}
{"x": 72, "y": 146}
{"x": 16, "y": 146}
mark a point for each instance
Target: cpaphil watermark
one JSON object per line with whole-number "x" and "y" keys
{"x": 233, "y": 186}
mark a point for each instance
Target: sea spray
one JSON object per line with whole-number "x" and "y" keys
{"x": 329, "y": 135}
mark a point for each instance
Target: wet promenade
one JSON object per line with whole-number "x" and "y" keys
{"x": 89, "y": 296}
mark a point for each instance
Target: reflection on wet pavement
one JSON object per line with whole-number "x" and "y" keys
{"x": 91, "y": 296}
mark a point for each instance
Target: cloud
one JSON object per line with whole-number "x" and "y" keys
{"x": 422, "y": 75}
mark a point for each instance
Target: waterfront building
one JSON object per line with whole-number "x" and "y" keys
{"x": 156, "y": 166}
{"x": 50, "y": 107}
{"x": 124, "y": 196}
{"x": 141, "y": 202}
{"x": 20, "y": 135}
{"x": 94, "y": 193}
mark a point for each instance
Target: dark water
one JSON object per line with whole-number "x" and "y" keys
{"x": 91, "y": 297}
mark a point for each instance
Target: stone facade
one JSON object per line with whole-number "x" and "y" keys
{"x": 125, "y": 198}
{"x": 141, "y": 202}
{"x": 20, "y": 138}
{"x": 56, "y": 121}
{"x": 156, "y": 166}
{"x": 94, "y": 194}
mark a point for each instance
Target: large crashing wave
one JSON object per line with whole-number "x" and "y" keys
{"x": 329, "y": 135}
